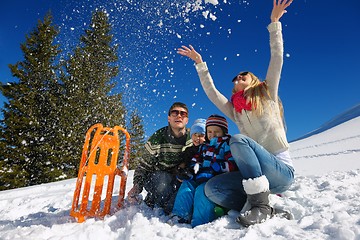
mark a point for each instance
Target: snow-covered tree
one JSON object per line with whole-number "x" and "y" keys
{"x": 137, "y": 143}
{"x": 29, "y": 128}
{"x": 88, "y": 87}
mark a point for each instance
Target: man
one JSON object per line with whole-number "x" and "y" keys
{"x": 157, "y": 169}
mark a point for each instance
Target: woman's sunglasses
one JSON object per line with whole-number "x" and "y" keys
{"x": 240, "y": 74}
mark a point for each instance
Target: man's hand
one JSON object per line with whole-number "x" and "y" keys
{"x": 133, "y": 195}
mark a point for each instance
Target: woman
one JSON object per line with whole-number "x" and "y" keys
{"x": 261, "y": 152}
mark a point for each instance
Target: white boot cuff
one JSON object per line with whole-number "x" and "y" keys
{"x": 256, "y": 185}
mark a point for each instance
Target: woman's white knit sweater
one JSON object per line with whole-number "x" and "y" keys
{"x": 268, "y": 129}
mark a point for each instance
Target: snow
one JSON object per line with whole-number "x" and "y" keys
{"x": 147, "y": 34}
{"x": 334, "y": 149}
{"x": 325, "y": 202}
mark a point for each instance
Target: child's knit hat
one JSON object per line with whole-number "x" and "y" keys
{"x": 217, "y": 120}
{"x": 198, "y": 126}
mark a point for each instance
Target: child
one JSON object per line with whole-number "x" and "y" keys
{"x": 213, "y": 158}
{"x": 197, "y": 133}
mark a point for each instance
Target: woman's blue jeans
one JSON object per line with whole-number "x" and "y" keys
{"x": 253, "y": 161}
{"x": 192, "y": 204}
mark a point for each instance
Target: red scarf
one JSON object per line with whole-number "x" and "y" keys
{"x": 239, "y": 101}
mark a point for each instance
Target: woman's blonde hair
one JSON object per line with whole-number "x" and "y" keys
{"x": 256, "y": 92}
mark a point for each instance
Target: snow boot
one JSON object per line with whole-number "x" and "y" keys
{"x": 220, "y": 211}
{"x": 257, "y": 190}
{"x": 173, "y": 220}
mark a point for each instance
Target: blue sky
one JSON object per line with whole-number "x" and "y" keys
{"x": 320, "y": 77}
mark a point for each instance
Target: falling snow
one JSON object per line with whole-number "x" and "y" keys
{"x": 147, "y": 34}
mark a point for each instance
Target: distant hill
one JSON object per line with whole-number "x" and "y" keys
{"x": 341, "y": 118}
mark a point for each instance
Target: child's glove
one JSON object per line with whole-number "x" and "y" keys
{"x": 196, "y": 167}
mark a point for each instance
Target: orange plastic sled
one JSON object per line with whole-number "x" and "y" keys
{"x": 97, "y": 171}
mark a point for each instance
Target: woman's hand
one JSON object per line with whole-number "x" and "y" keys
{"x": 190, "y": 53}
{"x": 279, "y": 9}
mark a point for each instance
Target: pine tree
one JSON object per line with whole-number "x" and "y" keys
{"x": 45, "y": 121}
{"x": 28, "y": 130}
{"x": 88, "y": 87}
{"x": 137, "y": 143}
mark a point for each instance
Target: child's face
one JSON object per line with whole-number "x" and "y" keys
{"x": 198, "y": 138}
{"x": 214, "y": 131}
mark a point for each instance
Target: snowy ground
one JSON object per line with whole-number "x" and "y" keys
{"x": 325, "y": 201}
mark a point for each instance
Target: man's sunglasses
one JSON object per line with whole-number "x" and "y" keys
{"x": 175, "y": 113}
{"x": 240, "y": 74}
